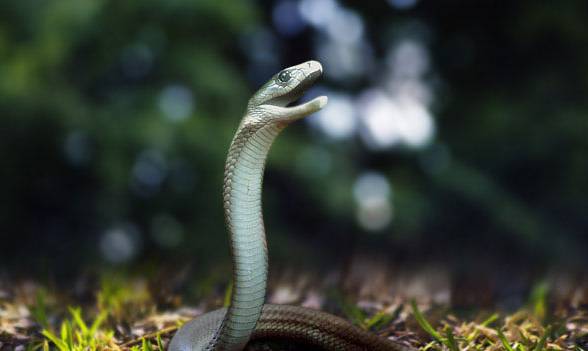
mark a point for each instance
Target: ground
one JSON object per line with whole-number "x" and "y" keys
{"x": 132, "y": 313}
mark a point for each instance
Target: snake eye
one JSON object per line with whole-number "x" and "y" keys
{"x": 284, "y": 76}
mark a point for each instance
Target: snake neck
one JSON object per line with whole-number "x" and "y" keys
{"x": 243, "y": 215}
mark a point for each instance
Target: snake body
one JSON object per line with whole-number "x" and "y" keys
{"x": 247, "y": 318}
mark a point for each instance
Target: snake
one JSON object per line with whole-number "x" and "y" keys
{"x": 248, "y": 318}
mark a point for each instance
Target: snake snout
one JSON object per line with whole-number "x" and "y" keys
{"x": 312, "y": 73}
{"x": 315, "y": 66}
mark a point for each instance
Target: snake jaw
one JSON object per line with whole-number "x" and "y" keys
{"x": 319, "y": 102}
{"x": 305, "y": 109}
{"x": 289, "y": 114}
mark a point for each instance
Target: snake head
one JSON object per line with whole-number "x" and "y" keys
{"x": 272, "y": 100}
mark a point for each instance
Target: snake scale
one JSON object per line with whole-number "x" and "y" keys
{"x": 248, "y": 318}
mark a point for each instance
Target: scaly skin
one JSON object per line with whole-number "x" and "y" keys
{"x": 247, "y": 317}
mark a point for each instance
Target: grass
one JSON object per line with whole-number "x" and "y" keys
{"x": 523, "y": 330}
{"x": 76, "y": 335}
{"x": 116, "y": 300}
{"x": 532, "y": 328}
{"x": 124, "y": 317}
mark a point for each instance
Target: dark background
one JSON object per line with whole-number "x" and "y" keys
{"x": 456, "y": 133}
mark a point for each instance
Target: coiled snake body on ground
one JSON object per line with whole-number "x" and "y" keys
{"x": 248, "y": 317}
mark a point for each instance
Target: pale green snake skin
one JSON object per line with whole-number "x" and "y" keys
{"x": 247, "y": 318}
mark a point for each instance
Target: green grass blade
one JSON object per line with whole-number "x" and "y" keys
{"x": 69, "y": 335}
{"x": 429, "y": 346}
{"x": 76, "y": 314}
{"x": 423, "y": 322}
{"x": 61, "y": 345}
{"x": 98, "y": 322}
{"x": 504, "y": 341}
{"x": 538, "y": 299}
{"x": 63, "y": 332}
{"x": 451, "y": 343}
{"x": 146, "y": 345}
{"x": 159, "y": 342}
{"x": 520, "y": 347}
{"x": 490, "y": 320}
{"x": 380, "y": 318}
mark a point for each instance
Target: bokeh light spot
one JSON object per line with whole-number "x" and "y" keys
{"x": 387, "y": 122}
{"x": 176, "y": 102}
{"x": 345, "y": 26}
{"x": 370, "y": 185}
{"x": 337, "y": 119}
{"x": 318, "y": 12}
{"x": 375, "y": 214}
{"x": 372, "y": 193}
{"x": 120, "y": 244}
{"x": 408, "y": 59}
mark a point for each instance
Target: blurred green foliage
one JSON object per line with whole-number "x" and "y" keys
{"x": 89, "y": 73}
{"x": 92, "y": 139}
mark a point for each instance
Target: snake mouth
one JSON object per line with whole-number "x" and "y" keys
{"x": 305, "y": 75}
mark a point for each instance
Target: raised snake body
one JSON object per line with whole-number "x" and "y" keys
{"x": 247, "y": 317}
